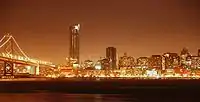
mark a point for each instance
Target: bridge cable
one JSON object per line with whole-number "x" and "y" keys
{"x": 5, "y": 42}
{"x": 19, "y": 47}
{"x": 2, "y": 38}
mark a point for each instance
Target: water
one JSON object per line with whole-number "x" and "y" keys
{"x": 64, "y": 97}
{"x": 100, "y": 91}
{"x": 60, "y": 97}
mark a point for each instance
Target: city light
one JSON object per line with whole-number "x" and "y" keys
{"x": 77, "y": 27}
{"x": 168, "y": 65}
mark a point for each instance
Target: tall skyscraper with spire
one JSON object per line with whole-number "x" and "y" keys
{"x": 74, "y": 44}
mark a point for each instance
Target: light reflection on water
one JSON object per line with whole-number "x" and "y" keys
{"x": 61, "y": 97}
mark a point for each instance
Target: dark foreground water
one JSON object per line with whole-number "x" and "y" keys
{"x": 100, "y": 91}
{"x": 64, "y": 97}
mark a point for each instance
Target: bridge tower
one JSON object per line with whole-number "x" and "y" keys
{"x": 8, "y": 49}
{"x": 8, "y": 68}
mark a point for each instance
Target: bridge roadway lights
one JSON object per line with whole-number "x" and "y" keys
{"x": 8, "y": 69}
{"x": 7, "y": 77}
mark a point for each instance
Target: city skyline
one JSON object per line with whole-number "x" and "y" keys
{"x": 135, "y": 28}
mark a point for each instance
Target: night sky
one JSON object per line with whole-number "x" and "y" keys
{"x": 138, "y": 27}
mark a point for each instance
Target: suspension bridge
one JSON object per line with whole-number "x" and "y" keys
{"x": 14, "y": 61}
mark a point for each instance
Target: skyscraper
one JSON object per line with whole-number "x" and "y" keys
{"x": 171, "y": 60}
{"x": 142, "y": 62}
{"x": 183, "y": 57}
{"x": 195, "y": 62}
{"x": 74, "y": 44}
{"x": 111, "y": 54}
{"x": 155, "y": 61}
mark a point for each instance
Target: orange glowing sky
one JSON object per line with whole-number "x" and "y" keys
{"x": 138, "y": 27}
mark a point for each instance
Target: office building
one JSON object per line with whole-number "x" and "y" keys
{"x": 105, "y": 64}
{"x": 74, "y": 44}
{"x": 170, "y": 60}
{"x": 126, "y": 61}
{"x": 155, "y": 62}
{"x": 195, "y": 62}
{"x": 183, "y": 57}
{"x": 111, "y": 54}
{"x": 142, "y": 62}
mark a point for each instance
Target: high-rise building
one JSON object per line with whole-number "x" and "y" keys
{"x": 155, "y": 61}
{"x": 111, "y": 54}
{"x": 171, "y": 60}
{"x": 105, "y": 63}
{"x": 74, "y": 44}
{"x": 126, "y": 62}
{"x": 183, "y": 57}
{"x": 195, "y": 62}
{"x": 199, "y": 52}
{"x": 142, "y": 62}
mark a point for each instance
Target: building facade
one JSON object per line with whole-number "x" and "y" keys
{"x": 142, "y": 62}
{"x": 183, "y": 57}
{"x": 155, "y": 62}
{"x": 74, "y": 44}
{"x": 126, "y": 62}
{"x": 111, "y": 54}
{"x": 170, "y": 60}
{"x": 195, "y": 62}
{"x": 105, "y": 64}
{"x": 88, "y": 64}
